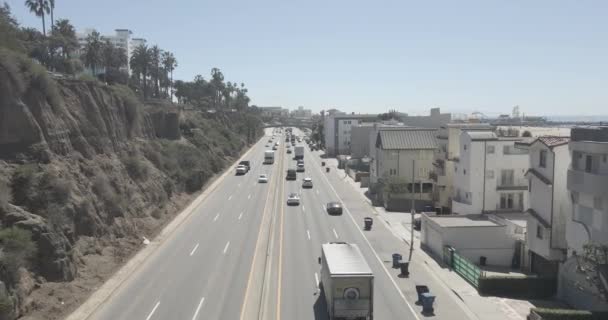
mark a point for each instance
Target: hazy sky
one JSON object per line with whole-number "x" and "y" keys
{"x": 548, "y": 56}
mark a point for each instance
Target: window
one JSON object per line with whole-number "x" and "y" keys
{"x": 588, "y": 163}
{"x": 597, "y": 203}
{"x": 456, "y": 169}
{"x": 490, "y": 174}
{"x": 490, "y": 149}
{"x": 465, "y": 147}
{"x": 530, "y": 185}
{"x": 604, "y": 158}
{"x": 465, "y": 172}
{"x": 543, "y": 159}
{"x": 506, "y": 201}
{"x": 506, "y": 177}
{"x": 539, "y": 231}
{"x": 574, "y": 196}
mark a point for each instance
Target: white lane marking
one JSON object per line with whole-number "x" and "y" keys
{"x": 303, "y": 208}
{"x": 317, "y": 279}
{"x": 238, "y": 185}
{"x": 194, "y": 250}
{"x": 249, "y": 196}
{"x": 153, "y": 310}
{"x": 226, "y": 247}
{"x": 317, "y": 191}
{"x": 216, "y": 216}
{"x": 200, "y": 304}
{"x": 373, "y": 251}
{"x": 230, "y": 198}
{"x": 308, "y": 233}
{"x": 240, "y": 216}
{"x": 336, "y": 234}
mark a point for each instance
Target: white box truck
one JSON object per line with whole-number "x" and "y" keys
{"x": 299, "y": 152}
{"x": 347, "y": 282}
{"x": 269, "y": 157}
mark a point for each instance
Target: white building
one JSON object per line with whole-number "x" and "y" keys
{"x": 434, "y": 120}
{"x": 587, "y": 184}
{"x": 337, "y": 131}
{"x": 121, "y": 39}
{"x": 489, "y": 175}
{"x": 448, "y": 151}
{"x": 404, "y": 157}
{"x": 496, "y": 237}
{"x": 550, "y": 204}
{"x": 359, "y": 143}
{"x": 372, "y": 138}
{"x": 301, "y": 113}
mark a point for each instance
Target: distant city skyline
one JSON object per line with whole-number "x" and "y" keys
{"x": 462, "y": 56}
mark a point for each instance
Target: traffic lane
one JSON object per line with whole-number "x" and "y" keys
{"x": 388, "y": 303}
{"x": 299, "y": 291}
{"x": 385, "y": 244}
{"x": 160, "y": 264}
{"x": 235, "y": 289}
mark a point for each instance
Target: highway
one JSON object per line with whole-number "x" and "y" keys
{"x": 245, "y": 254}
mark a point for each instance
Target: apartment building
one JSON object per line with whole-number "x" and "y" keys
{"x": 550, "y": 204}
{"x": 337, "y": 130}
{"x": 404, "y": 156}
{"x": 587, "y": 183}
{"x": 489, "y": 174}
{"x": 448, "y": 151}
{"x": 121, "y": 39}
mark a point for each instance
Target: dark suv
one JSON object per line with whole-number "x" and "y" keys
{"x": 291, "y": 174}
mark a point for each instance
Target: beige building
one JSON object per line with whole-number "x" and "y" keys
{"x": 401, "y": 167}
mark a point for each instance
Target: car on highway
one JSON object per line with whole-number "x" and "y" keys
{"x": 241, "y": 170}
{"x": 263, "y": 178}
{"x": 275, "y": 147}
{"x": 307, "y": 183}
{"x": 288, "y": 150}
{"x": 300, "y": 167}
{"x": 293, "y": 199}
{"x": 334, "y": 208}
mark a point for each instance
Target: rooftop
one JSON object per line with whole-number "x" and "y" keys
{"x": 590, "y": 133}
{"x": 482, "y": 135}
{"x": 469, "y": 125}
{"x": 552, "y": 141}
{"x": 407, "y": 139}
{"x": 454, "y": 221}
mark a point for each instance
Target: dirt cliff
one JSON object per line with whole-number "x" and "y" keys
{"x": 88, "y": 171}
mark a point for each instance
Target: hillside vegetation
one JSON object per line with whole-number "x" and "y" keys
{"x": 87, "y": 171}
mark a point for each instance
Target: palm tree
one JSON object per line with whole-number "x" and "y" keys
{"x": 217, "y": 81}
{"x": 155, "y": 61}
{"x": 67, "y": 34}
{"x": 140, "y": 64}
{"x": 93, "y": 56}
{"x": 169, "y": 64}
{"x": 39, "y": 8}
{"x": 52, "y": 8}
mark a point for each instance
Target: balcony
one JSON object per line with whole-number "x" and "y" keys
{"x": 517, "y": 184}
{"x": 587, "y": 182}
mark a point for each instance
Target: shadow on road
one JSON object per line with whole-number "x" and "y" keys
{"x": 320, "y": 307}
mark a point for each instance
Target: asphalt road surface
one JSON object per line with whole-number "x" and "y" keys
{"x": 245, "y": 254}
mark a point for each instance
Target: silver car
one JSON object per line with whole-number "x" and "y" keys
{"x": 293, "y": 199}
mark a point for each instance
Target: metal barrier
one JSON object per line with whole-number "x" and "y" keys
{"x": 461, "y": 265}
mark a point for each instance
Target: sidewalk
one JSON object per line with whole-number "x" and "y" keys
{"x": 399, "y": 223}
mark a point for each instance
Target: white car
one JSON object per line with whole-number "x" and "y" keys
{"x": 241, "y": 169}
{"x": 293, "y": 199}
{"x": 307, "y": 183}
{"x": 263, "y": 178}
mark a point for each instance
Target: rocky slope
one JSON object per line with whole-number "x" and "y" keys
{"x": 88, "y": 171}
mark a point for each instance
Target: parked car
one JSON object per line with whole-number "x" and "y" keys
{"x": 263, "y": 178}
{"x": 334, "y": 208}
{"x": 293, "y": 199}
{"x": 307, "y": 183}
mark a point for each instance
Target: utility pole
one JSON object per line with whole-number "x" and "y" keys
{"x": 413, "y": 208}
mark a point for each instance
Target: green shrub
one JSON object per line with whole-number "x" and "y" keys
{"x": 18, "y": 248}
{"x": 568, "y": 314}
{"x": 23, "y": 183}
{"x": 113, "y": 202}
{"x": 5, "y": 194}
{"x": 6, "y": 307}
{"x": 136, "y": 167}
{"x": 524, "y": 287}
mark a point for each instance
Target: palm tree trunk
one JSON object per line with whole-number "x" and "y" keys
{"x": 171, "y": 84}
{"x": 43, "y": 25}
{"x": 52, "y": 21}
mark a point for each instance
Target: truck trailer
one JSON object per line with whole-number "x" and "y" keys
{"x": 299, "y": 152}
{"x": 268, "y": 157}
{"x": 347, "y": 282}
